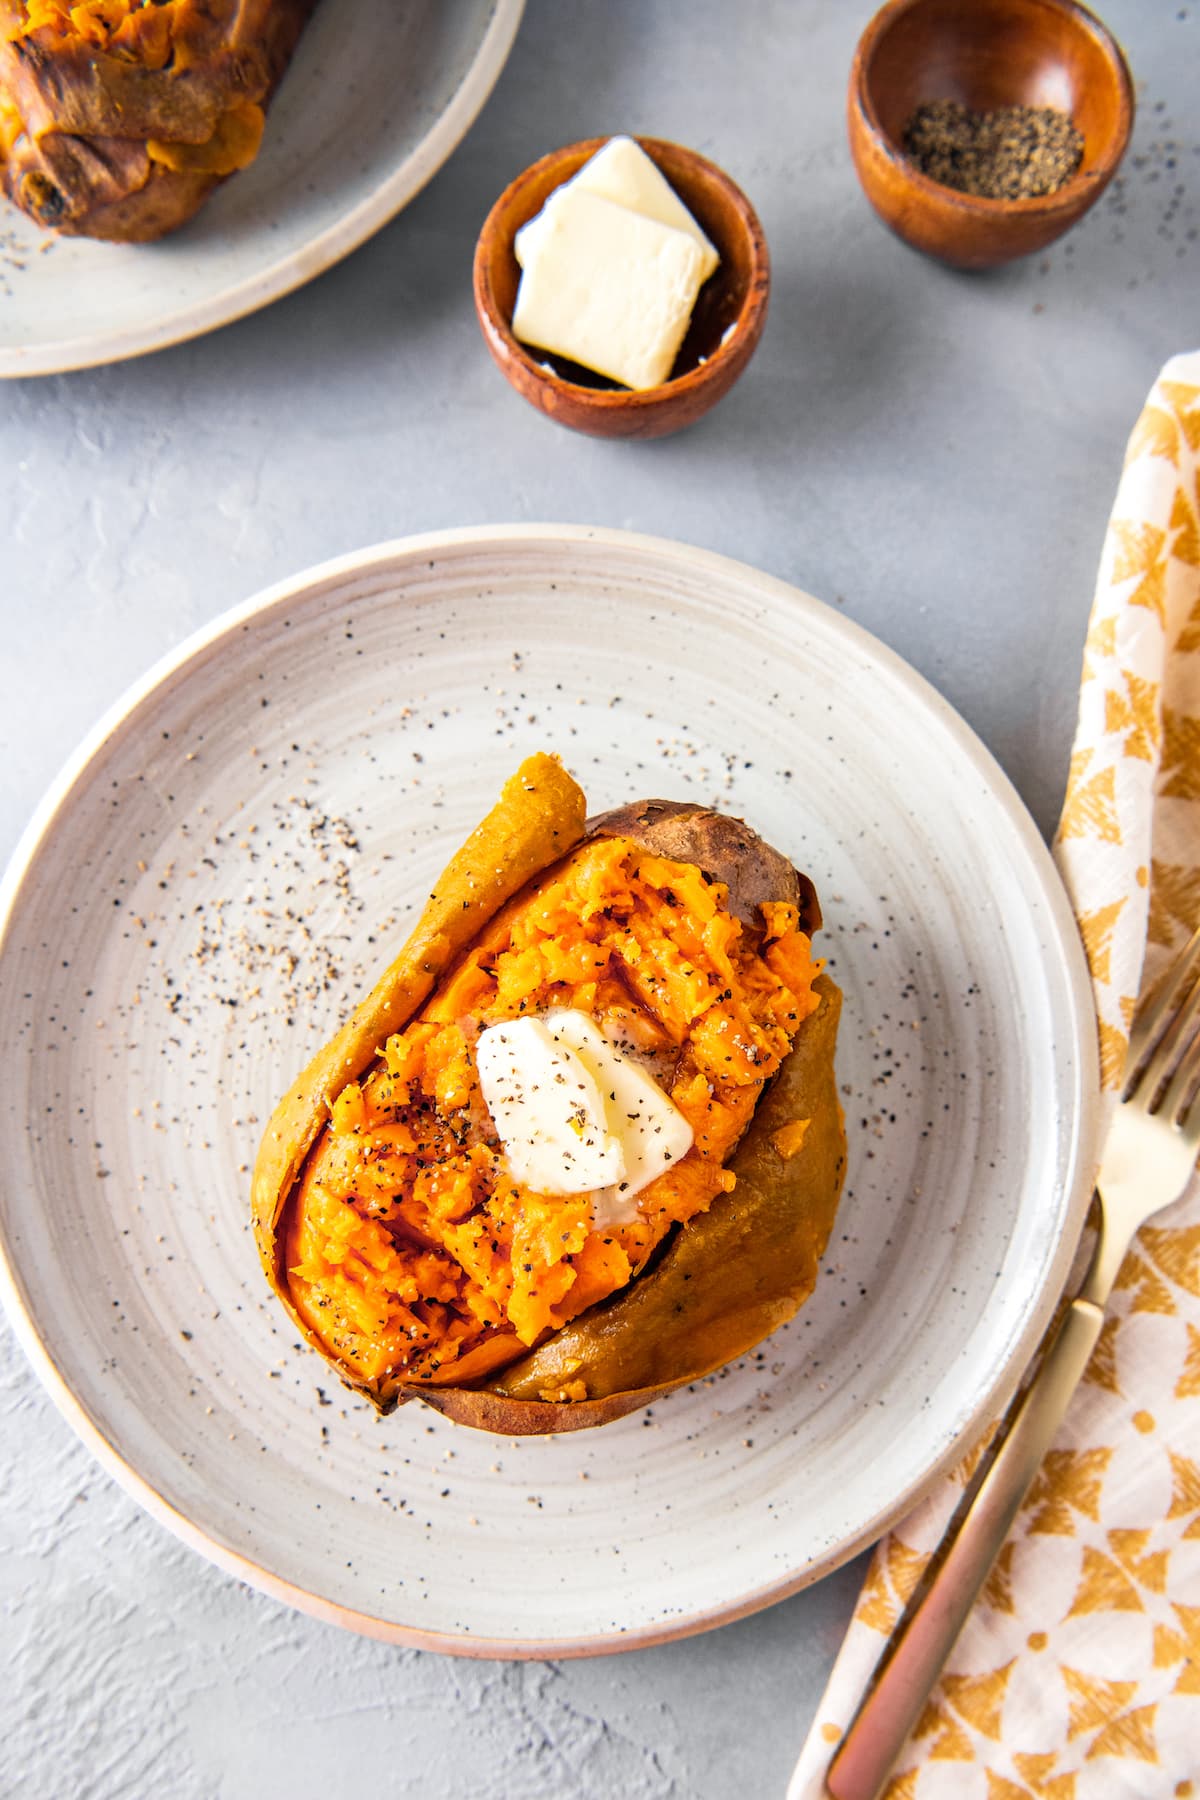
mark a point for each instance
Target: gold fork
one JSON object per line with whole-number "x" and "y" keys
{"x": 1149, "y": 1154}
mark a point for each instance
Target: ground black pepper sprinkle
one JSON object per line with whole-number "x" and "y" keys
{"x": 1013, "y": 153}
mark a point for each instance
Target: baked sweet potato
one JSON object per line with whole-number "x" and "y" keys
{"x": 392, "y": 1225}
{"x": 119, "y": 117}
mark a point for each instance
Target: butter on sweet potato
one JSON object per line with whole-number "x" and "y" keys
{"x": 389, "y": 1222}
{"x": 119, "y": 117}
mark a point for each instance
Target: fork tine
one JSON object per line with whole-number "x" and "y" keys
{"x": 1181, "y": 1091}
{"x": 1153, "y": 1024}
{"x": 1174, "y": 1042}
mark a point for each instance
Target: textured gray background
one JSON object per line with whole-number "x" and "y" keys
{"x": 935, "y": 453}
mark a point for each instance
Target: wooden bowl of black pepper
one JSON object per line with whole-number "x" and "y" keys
{"x": 1029, "y": 103}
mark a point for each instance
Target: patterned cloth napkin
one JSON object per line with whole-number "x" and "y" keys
{"x": 1077, "y": 1676}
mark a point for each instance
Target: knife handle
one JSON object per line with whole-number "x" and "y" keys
{"x": 925, "y": 1635}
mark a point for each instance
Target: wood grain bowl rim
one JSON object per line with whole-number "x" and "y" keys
{"x": 731, "y": 354}
{"x": 1074, "y": 196}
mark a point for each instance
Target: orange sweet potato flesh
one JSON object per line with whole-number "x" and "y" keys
{"x": 728, "y": 1279}
{"x": 725, "y": 1246}
{"x": 539, "y": 816}
{"x": 118, "y": 119}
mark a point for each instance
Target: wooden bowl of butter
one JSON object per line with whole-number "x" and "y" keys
{"x": 621, "y": 285}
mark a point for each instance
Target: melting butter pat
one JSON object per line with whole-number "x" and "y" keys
{"x": 622, "y": 172}
{"x": 574, "y": 1114}
{"x": 652, "y": 1131}
{"x": 608, "y": 288}
{"x": 547, "y": 1110}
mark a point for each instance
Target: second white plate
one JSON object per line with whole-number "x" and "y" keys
{"x": 377, "y": 97}
{"x": 237, "y": 851}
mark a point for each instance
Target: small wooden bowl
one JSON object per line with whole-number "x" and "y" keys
{"x": 984, "y": 54}
{"x": 726, "y": 325}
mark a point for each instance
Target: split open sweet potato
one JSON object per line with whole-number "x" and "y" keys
{"x": 119, "y": 117}
{"x": 388, "y": 1218}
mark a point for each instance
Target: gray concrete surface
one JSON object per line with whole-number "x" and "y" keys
{"x": 935, "y": 453}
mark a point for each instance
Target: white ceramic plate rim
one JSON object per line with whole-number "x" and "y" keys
{"x": 309, "y": 260}
{"x": 1078, "y": 1026}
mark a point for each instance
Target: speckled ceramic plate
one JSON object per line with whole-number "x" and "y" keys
{"x": 237, "y": 850}
{"x": 378, "y": 95}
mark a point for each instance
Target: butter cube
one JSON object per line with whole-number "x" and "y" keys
{"x": 622, "y": 172}
{"x": 608, "y": 288}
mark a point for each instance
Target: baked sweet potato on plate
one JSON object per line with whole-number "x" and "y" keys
{"x": 392, "y": 1215}
{"x": 119, "y": 117}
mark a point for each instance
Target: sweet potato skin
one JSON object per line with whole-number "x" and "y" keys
{"x": 80, "y": 162}
{"x": 723, "y": 847}
{"x": 727, "y": 1278}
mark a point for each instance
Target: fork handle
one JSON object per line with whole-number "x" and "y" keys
{"x": 915, "y": 1656}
